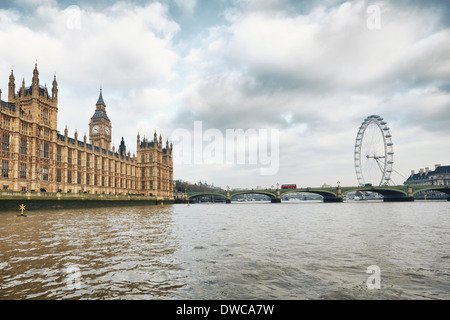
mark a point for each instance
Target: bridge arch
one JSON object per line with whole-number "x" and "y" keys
{"x": 256, "y": 192}
{"x": 325, "y": 194}
{"x": 443, "y": 189}
{"x": 388, "y": 193}
{"x": 205, "y": 194}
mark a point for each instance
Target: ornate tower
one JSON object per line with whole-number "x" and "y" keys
{"x": 36, "y": 102}
{"x": 55, "y": 91}
{"x": 11, "y": 87}
{"x": 100, "y": 126}
{"x": 35, "y": 81}
{"x": 122, "y": 148}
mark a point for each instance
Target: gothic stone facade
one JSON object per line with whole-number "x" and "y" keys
{"x": 35, "y": 156}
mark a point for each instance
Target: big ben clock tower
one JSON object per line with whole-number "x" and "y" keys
{"x": 100, "y": 126}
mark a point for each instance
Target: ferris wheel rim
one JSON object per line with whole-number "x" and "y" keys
{"x": 388, "y": 150}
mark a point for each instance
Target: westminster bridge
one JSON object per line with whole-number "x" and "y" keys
{"x": 330, "y": 194}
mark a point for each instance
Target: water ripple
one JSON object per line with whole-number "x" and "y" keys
{"x": 248, "y": 251}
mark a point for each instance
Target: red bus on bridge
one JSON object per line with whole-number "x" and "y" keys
{"x": 288, "y": 186}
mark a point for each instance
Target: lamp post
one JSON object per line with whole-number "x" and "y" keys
{"x": 278, "y": 198}
{"x": 339, "y": 190}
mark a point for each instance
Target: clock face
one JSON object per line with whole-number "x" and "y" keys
{"x": 96, "y": 129}
{"x": 107, "y": 130}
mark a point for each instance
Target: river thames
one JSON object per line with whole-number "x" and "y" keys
{"x": 287, "y": 251}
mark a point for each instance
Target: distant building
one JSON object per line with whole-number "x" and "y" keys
{"x": 440, "y": 176}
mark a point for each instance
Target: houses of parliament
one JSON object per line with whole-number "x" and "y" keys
{"x": 35, "y": 156}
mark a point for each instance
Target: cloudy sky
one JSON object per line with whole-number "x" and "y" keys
{"x": 309, "y": 70}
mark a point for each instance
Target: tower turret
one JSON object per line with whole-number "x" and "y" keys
{"x": 35, "y": 81}
{"x": 11, "y": 87}
{"x": 55, "y": 91}
{"x": 122, "y": 148}
{"x": 22, "y": 89}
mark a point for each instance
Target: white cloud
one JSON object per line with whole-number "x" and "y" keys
{"x": 122, "y": 44}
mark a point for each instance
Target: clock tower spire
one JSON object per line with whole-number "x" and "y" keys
{"x": 100, "y": 126}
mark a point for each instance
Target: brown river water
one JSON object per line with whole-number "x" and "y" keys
{"x": 289, "y": 251}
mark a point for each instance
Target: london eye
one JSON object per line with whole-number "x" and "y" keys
{"x": 374, "y": 154}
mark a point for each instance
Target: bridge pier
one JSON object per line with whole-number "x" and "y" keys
{"x": 228, "y": 201}
{"x": 275, "y": 200}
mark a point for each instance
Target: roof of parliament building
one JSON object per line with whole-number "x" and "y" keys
{"x": 100, "y": 114}
{"x": 29, "y": 91}
{"x": 10, "y": 106}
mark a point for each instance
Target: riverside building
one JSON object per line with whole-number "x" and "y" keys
{"x": 439, "y": 177}
{"x": 35, "y": 156}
